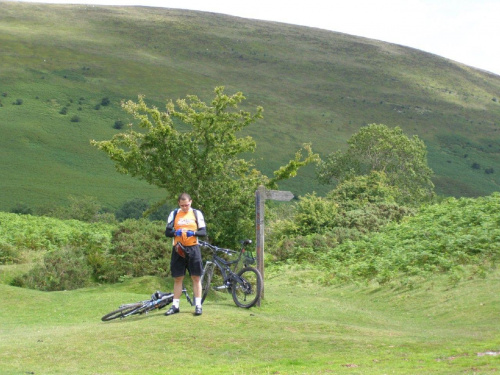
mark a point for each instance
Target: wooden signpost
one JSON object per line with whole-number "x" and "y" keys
{"x": 260, "y": 197}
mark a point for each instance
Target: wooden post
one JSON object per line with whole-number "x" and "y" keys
{"x": 260, "y": 198}
{"x": 261, "y": 194}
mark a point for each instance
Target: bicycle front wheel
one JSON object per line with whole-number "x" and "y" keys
{"x": 247, "y": 288}
{"x": 124, "y": 311}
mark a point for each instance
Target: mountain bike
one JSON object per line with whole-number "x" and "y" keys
{"x": 157, "y": 301}
{"x": 244, "y": 284}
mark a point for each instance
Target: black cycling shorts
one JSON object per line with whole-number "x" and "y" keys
{"x": 192, "y": 262}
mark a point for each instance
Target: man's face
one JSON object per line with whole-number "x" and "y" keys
{"x": 185, "y": 205}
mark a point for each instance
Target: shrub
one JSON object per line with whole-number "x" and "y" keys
{"x": 44, "y": 233}
{"x": 132, "y": 209}
{"x": 9, "y": 254}
{"x": 18, "y": 102}
{"x": 118, "y": 124}
{"x": 359, "y": 190}
{"x": 75, "y": 118}
{"x": 315, "y": 215}
{"x": 371, "y": 217}
{"x": 62, "y": 269}
{"x": 458, "y": 236}
{"x": 139, "y": 248}
{"x": 135, "y": 209}
{"x": 84, "y": 208}
{"x": 64, "y": 111}
{"x": 22, "y": 209}
{"x": 358, "y": 206}
{"x": 160, "y": 213}
{"x": 304, "y": 249}
{"x": 105, "y": 101}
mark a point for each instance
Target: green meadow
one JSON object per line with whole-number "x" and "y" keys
{"x": 301, "y": 327}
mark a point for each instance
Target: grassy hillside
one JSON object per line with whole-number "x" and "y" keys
{"x": 58, "y": 63}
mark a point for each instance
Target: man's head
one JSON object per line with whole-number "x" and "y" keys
{"x": 184, "y": 202}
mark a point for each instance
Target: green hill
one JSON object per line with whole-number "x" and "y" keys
{"x": 65, "y": 69}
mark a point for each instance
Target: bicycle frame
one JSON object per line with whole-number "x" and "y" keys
{"x": 244, "y": 284}
{"x": 227, "y": 268}
{"x": 139, "y": 308}
{"x": 143, "y": 307}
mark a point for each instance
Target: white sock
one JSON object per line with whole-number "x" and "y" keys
{"x": 176, "y": 303}
{"x": 197, "y": 301}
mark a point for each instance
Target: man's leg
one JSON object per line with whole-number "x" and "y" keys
{"x": 174, "y": 309}
{"x": 196, "y": 286}
{"x": 197, "y": 294}
{"x": 178, "y": 287}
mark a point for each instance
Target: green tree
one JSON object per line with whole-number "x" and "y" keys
{"x": 194, "y": 147}
{"x": 360, "y": 190}
{"x": 83, "y": 208}
{"x": 379, "y": 148}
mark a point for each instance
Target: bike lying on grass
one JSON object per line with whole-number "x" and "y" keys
{"x": 158, "y": 301}
{"x": 245, "y": 284}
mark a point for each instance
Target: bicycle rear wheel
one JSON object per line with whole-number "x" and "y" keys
{"x": 247, "y": 290}
{"x": 206, "y": 280}
{"x": 123, "y": 312}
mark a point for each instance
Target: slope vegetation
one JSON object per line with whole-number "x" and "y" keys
{"x": 65, "y": 69}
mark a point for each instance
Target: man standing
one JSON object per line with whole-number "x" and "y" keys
{"x": 185, "y": 225}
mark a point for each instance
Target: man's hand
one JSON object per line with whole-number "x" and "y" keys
{"x": 189, "y": 233}
{"x": 178, "y": 232}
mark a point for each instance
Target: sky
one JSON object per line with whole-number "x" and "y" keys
{"x": 466, "y": 31}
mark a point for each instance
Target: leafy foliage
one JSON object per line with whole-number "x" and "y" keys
{"x": 138, "y": 248}
{"x": 63, "y": 269}
{"x": 379, "y": 148}
{"x": 386, "y": 243}
{"x": 454, "y": 236}
{"x": 77, "y": 254}
{"x": 21, "y": 208}
{"x": 377, "y": 241}
{"x": 355, "y": 207}
{"x": 9, "y": 253}
{"x": 194, "y": 148}
{"x": 84, "y": 208}
{"x": 132, "y": 209}
{"x": 45, "y": 233}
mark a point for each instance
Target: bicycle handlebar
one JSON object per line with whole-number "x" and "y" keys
{"x": 220, "y": 249}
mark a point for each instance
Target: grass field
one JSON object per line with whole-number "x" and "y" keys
{"x": 300, "y": 328}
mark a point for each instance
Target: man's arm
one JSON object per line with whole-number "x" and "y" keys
{"x": 169, "y": 230}
{"x": 201, "y": 232}
{"x": 200, "y": 221}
